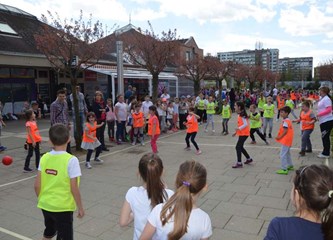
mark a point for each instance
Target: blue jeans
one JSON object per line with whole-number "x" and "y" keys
{"x": 120, "y": 133}
{"x": 306, "y": 142}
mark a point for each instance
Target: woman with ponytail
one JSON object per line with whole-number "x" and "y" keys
{"x": 311, "y": 195}
{"x": 179, "y": 217}
{"x": 139, "y": 201}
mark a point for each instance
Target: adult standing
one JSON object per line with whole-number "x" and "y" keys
{"x": 83, "y": 110}
{"x": 120, "y": 111}
{"x": 59, "y": 112}
{"x": 232, "y": 99}
{"x": 165, "y": 95}
{"x": 275, "y": 93}
{"x": 129, "y": 92}
{"x": 100, "y": 109}
{"x": 325, "y": 118}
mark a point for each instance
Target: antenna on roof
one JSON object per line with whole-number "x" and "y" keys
{"x": 129, "y": 18}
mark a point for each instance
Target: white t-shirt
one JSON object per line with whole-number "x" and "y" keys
{"x": 322, "y": 105}
{"x": 199, "y": 225}
{"x": 165, "y": 95}
{"x": 122, "y": 111}
{"x": 73, "y": 168}
{"x": 170, "y": 113}
{"x": 275, "y": 92}
{"x": 137, "y": 197}
{"x": 145, "y": 107}
{"x": 176, "y": 108}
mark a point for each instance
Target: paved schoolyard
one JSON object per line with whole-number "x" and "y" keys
{"x": 240, "y": 202}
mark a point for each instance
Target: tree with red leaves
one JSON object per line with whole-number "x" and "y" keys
{"x": 66, "y": 44}
{"x": 219, "y": 70}
{"x": 152, "y": 52}
{"x": 325, "y": 71}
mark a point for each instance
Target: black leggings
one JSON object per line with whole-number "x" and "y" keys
{"x": 192, "y": 136}
{"x": 257, "y": 130}
{"x": 240, "y": 149}
{"x": 325, "y": 129}
{"x": 30, "y": 153}
{"x": 90, "y": 151}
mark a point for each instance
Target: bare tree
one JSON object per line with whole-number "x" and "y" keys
{"x": 325, "y": 70}
{"x": 152, "y": 52}
{"x": 66, "y": 44}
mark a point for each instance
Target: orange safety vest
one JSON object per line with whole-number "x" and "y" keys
{"x": 150, "y": 125}
{"x": 280, "y": 102}
{"x": 91, "y": 132}
{"x": 311, "y": 96}
{"x": 245, "y": 131}
{"x": 192, "y": 124}
{"x": 287, "y": 140}
{"x": 138, "y": 120}
{"x": 34, "y": 132}
{"x": 293, "y": 96}
{"x": 305, "y": 117}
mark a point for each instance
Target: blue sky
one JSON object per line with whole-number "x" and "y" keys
{"x": 298, "y": 28}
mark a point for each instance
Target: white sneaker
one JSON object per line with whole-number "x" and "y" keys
{"x": 133, "y": 143}
{"x": 98, "y": 161}
{"x": 88, "y": 165}
{"x": 320, "y": 155}
{"x": 213, "y": 131}
{"x": 206, "y": 130}
{"x": 142, "y": 143}
{"x": 198, "y": 152}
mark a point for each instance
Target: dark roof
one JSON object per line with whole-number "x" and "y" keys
{"x": 25, "y": 25}
{"x": 183, "y": 41}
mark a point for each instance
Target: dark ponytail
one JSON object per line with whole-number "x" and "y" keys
{"x": 151, "y": 169}
{"x": 243, "y": 112}
{"x": 154, "y": 109}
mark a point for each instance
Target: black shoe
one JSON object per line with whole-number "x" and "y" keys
{"x": 265, "y": 135}
{"x": 269, "y": 135}
{"x": 26, "y": 170}
{"x": 302, "y": 153}
{"x": 105, "y": 149}
{"x": 308, "y": 151}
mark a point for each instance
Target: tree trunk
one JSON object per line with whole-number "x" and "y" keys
{"x": 251, "y": 85}
{"x": 78, "y": 131}
{"x": 155, "y": 87}
{"x": 196, "y": 85}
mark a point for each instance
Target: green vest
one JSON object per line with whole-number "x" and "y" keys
{"x": 255, "y": 121}
{"x": 225, "y": 111}
{"x": 261, "y": 103}
{"x": 290, "y": 103}
{"x": 55, "y": 193}
{"x": 201, "y": 104}
{"x": 269, "y": 111}
{"x": 210, "y": 108}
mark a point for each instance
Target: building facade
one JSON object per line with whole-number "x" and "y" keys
{"x": 267, "y": 58}
{"x": 296, "y": 69}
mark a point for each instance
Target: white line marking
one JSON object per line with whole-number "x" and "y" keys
{"x": 232, "y": 145}
{"x": 81, "y": 162}
{"x": 13, "y": 234}
{"x": 17, "y": 181}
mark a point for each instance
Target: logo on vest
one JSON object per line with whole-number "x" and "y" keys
{"x": 51, "y": 172}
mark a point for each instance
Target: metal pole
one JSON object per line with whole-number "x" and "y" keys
{"x": 120, "y": 68}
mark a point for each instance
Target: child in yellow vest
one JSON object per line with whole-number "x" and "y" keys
{"x": 57, "y": 186}
{"x": 255, "y": 125}
{"x": 210, "y": 110}
{"x": 269, "y": 111}
{"x": 290, "y": 103}
{"x": 285, "y": 137}
{"x": 307, "y": 120}
{"x": 226, "y": 115}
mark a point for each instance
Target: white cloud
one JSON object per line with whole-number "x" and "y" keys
{"x": 315, "y": 22}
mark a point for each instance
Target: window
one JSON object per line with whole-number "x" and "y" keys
{"x": 43, "y": 74}
{"x": 6, "y": 29}
{"x": 187, "y": 56}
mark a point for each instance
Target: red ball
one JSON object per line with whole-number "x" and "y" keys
{"x": 7, "y": 160}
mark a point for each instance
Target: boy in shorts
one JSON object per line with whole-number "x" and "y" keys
{"x": 57, "y": 186}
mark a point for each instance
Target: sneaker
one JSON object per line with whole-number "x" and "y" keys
{"x": 270, "y": 135}
{"x": 253, "y": 142}
{"x": 308, "y": 151}
{"x": 105, "y": 149}
{"x": 248, "y": 161}
{"x": 222, "y": 133}
{"x": 88, "y": 165}
{"x": 142, "y": 143}
{"x": 226, "y": 133}
{"x": 302, "y": 153}
{"x": 291, "y": 168}
{"x": 118, "y": 143}
{"x": 98, "y": 161}
{"x": 267, "y": 143}
{"x": 282, "y": 171}
{"x": 213, "y": 131}
{"x": 237, "y": 165}
{"x": 111, "y": 139}
{"x": 133, "y": 143}
{"x": 320, "y": 155}
{"x": 26, "y": 170}
{"x": 187, "y": 148}
{"x": 2, "y": 148}
{"x": 206, "y": 130}
{"x": 198, "y": 152}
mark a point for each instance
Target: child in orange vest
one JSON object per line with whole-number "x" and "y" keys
{"x": 192, "y": 130}
{"x": 285, "y": 137}
{"x": 243, "y": 132}
{"x": 90, "y": 141}
{"x": 307, "y": 119}
{"x": 280, "y": 104}
{"x": 138, "y": 124}
{"x": 33, "y": 140}
{"x": 154, "y": 130}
